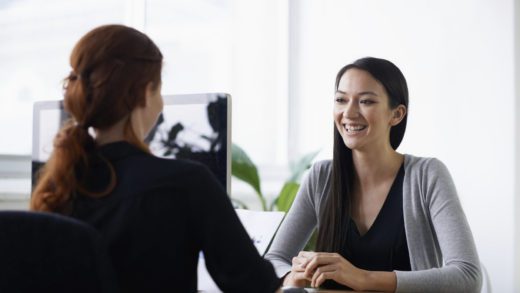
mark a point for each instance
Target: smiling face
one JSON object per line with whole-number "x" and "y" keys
{"x": 362, "y": 112}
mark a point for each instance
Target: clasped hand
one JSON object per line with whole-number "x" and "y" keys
{"x": 314, "y": 268}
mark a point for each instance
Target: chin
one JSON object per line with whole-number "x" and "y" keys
{"x": 355, "y": 145}
{"x": 350, "y": 144}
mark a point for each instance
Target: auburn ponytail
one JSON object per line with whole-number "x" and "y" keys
{"x": 58, "y": 178}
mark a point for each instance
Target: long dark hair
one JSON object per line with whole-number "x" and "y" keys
{"x": 335, "y": 213}
{"x": 111, "y": 67}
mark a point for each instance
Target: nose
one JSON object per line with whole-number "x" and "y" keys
{"x": 351, "y": 110}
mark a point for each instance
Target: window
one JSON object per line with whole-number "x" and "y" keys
{"x": 209, "y": 45}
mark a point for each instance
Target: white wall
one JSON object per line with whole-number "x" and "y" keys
{"x": 259, "y": 76}
{"x": 458, "y": 58}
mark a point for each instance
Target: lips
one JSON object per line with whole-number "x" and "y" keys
{"x": 353, "y": 128}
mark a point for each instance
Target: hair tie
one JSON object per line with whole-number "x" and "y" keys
{"x": 82, "y": 126}
{"x": 84, "y": 136}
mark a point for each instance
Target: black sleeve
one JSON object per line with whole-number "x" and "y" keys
{"x": 231, "y": 258}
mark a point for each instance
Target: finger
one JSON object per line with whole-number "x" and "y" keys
{"x": 297, "y": 263}
{"x": 309, "y": 255}
{"x": 295, "y": 280}
{"x": 299, "y": 276}
{"x": 304, "y": 257}
{"x": 322, "y": 278}
{"x": 319, "y": 272}
{"x": 297, "y": 260}
{"x": 312, "y": 253}
{"x": 306, "y": 254}
{"x": 319, "y": 260}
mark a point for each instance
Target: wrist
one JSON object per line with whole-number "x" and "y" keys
{"x": 363, "y": 280}
{"x": 288, "y": 279}
{"x": 292, "y": 279}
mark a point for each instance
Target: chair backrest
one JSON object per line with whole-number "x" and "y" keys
{"x": 486, "y": 282}
{"x": 52, "y": 253}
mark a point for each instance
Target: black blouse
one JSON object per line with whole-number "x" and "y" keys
{"x": 383, "y": 247}
{"x": 158, "y": 218}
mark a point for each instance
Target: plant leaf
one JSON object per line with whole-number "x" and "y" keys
{"x": 244, "y": 169}
{"x": 301, "y": 165}
{"x": 174, "y": 131}
{"x": 287, "y": 195}
{"x": 311, "y": 244}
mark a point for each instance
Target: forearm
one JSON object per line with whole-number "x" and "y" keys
{"x": 378, "y": 281}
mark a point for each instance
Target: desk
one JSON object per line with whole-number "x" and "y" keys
{"x": 310, "y": 290}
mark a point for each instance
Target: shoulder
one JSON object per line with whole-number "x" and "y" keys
{"x": 424, "y": 166}
{"x": 429, "y": 177}
{"x": 185, "y": 169}
{"x": 132, "y": 160}
{"x": 175, "y": 181}
{"x": 166, "y": 165}
{"x": 185, "y": 165}
{"x": 320, "y": 174}
{"x": 146, "y": 170}
{"x": 318, "y": 182}
{"x": 321, "y": 168}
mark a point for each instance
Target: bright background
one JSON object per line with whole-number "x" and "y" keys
{"x": 278, "y": 59}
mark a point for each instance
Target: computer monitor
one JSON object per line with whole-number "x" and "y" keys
{"x": 193, "y": 126}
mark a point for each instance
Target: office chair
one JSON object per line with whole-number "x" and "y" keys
{"x": 43, "y": 252}
{"x": 486, "y": 281}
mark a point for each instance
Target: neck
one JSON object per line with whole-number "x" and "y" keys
{"x": 376, "y": 165}
{"x": 111, "y": 134}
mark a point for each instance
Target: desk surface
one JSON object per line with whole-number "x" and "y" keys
{"x": 311, "y": 290}
{"x": 308, "y": 290}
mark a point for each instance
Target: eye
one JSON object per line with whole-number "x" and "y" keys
{"x": 339, "y": 100}
{"x": 367, "y": 102}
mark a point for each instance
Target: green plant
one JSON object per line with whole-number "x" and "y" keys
{"x": 243, "y": 168}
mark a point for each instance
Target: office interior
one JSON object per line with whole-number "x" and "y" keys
{"x": 278, "y": 60}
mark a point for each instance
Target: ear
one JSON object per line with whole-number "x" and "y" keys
{"x": 398, "y": 115}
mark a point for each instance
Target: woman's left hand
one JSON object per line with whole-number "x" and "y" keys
{"x": 321, "y": 266}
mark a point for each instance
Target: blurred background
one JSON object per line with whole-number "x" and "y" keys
{"x": 278, "y": 59}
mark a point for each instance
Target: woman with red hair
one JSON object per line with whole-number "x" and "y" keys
{"x": 156, "y": 214}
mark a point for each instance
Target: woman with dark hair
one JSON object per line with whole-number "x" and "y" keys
{"x": 156, "y": 214}
{"x": 385, "y": 221}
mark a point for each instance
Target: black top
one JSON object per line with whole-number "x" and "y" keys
{"x": 383, "y": 247}
{"x": 158, "y": 218}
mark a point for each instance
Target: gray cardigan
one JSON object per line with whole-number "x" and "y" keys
{"x": 443, "y": 256}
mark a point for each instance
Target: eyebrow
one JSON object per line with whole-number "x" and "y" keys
{"x": 359, "y": 94}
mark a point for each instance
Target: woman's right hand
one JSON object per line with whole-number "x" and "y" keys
{"x": 296, "y": 278}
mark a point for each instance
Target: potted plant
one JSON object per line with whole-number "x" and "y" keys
{"x": 243, "y": 168}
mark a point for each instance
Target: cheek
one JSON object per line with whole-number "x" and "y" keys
{"x": 337, "y": 125}
{"x": 337, "y": 114}
{"x": 161, "y": 107}
{"x": 377, "y": 116}
{"x": 337, "y": 121}
{"x": 158, "y": 104}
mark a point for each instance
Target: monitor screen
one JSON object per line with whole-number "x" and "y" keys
{"x": 193, "y": 127}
